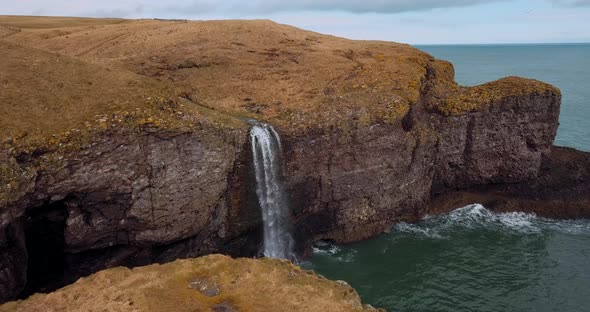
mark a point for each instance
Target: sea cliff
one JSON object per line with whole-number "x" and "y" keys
{"x": 126, "y": 142}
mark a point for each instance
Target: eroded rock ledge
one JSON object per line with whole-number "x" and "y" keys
{"x": 124, "y": 142}
{"x": 211, "y": 283}
{"x": 560, "y": 190}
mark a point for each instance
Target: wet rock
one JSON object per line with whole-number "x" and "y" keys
{"x": 205, "y": 286}
{"x": 256, "y": 108}
{"x": 225, "y": 306}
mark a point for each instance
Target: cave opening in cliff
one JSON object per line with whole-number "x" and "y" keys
{"x": 45, "y": 244}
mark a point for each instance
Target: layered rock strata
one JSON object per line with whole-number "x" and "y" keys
{"x": 560, "y": 190}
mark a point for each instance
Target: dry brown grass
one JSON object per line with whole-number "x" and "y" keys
{"x": 44, "y": 92}
{"x": 474, "y": 98}
{"x": 294, "y": 78}
{"x": 246, "y": 284}
{"x": 45, "y": 96}
{"x": 301, "y": 78}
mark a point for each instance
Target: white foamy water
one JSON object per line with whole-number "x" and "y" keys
{"x": 329, "y": 249}
{"x": 465, "y": 260}
{"x": 477, "y": 216}
{"x": 266, "y": 150}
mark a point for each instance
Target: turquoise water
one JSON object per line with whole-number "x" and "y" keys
{"x": 566, "y": 66}
{"x": 473, "y": 259}
{"x": 468, "y": 260}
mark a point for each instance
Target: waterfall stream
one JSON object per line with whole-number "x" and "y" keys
{"x": 266, "y": 149}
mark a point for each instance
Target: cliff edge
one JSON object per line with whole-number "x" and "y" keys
{"x": 211, "y": 283}
{"x": 125, "y": 142}
{"x": 297, "y": 79}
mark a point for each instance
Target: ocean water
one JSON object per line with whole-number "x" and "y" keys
{"x": 468, "y": 260}
{"x": 473, "y": 259}
{"x": 566, "y": 66}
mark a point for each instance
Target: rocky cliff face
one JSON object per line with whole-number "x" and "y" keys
{"x": 560, "y": 190}
{"x": 132, "y": 148}
{"x": 114, "y": 181}
{"x": 352, "y": 185}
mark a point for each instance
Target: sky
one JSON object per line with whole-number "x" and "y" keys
{"x": 414, "y": 22}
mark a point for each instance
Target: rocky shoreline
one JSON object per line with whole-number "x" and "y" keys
{"x": 560, "y": 190}
{"x": 154, "y": 164}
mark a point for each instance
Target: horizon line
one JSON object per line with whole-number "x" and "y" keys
{"x": 499, "y": 43}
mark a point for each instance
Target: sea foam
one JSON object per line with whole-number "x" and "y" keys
{"x": 476, "y": 216}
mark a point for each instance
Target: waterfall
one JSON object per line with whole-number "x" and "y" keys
{"x": 266, "y": 149}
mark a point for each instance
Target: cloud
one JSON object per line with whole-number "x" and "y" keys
{"x": 353, "y": 6}
{"x": 239, "y": 8}
{"x": 130, "y": 8}
{"x": 572, "y": 3}
{"x": 262, "y": 7}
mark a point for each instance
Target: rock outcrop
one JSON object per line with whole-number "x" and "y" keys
{"x": 211, "y": 283}
{"x": 560, "y": 190}
{"x": 125, "y": 142}
{"x": 350, "y": 185}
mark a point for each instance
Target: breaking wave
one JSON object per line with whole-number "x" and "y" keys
{"x": 477, "y": 216}
{"x": 460, "y": 223}
{"x": 337, "y": 253}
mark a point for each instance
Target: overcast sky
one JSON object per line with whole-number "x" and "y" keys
{"x": 416, "y": 22}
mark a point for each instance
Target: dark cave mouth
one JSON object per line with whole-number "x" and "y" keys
{"x": 45, "y": 244}
{"x": 52, "y": 264}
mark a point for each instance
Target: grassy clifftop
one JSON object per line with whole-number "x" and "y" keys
{"x": 45, "y": 95}
{"x": 254, "y": 68}
{"x": 260, "y": 69}
{"x": 465, "y": 100}
{"x": 45, "y": 22}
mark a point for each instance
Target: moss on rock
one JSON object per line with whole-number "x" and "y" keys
{"x": 469, "y": 99}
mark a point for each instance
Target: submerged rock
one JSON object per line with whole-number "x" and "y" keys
{"x": 243, "y": 285}
{"x": 205, "y": 286}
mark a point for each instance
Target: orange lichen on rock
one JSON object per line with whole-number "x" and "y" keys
{"x": 201, "y": 284}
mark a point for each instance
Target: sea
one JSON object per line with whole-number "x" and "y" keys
{"x": 473, "y": 259}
